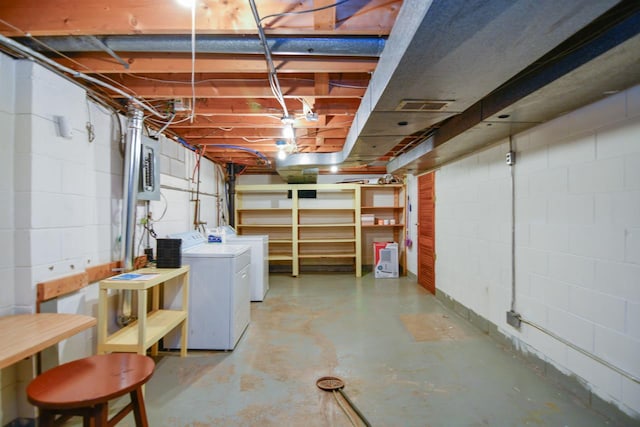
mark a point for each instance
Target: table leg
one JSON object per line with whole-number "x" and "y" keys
{"x": 142, "y": 321}
{"x": 139, "y": 410}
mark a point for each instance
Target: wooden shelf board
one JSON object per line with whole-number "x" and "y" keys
{"x": 325, "y": 209}
{"x": 280, "y": 258}
{"x": 334, "y": 255}
{"x": 158, "y": 323}
{"x": 381, "y": 207}
{"x": 280, "y": 241}
{"x": 325, "y": 225}
{"x": 263, "y": 209}
{"x": 264, "y": 225}
{"x": 382, "y": 225}
{"x": 326, "y": 240}
{"x": 162, "y": 275}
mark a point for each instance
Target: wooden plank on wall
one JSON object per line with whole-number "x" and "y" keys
{"x": 102, "y": 271}
{"x": 65, "y": 285}
{"x": 57, "y": 287}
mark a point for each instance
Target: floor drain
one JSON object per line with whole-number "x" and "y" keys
{"x": 335, "y": 384}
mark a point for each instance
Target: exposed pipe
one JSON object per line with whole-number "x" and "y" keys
{"x": 129, "y": 200}
{"x": 196, "y": 211}
{"x": 107, "y": 49}
{"x": 248, "y": 150}
{"x": 53, "y": 65}
{"x": 359, "y": 46}
{"x": 231, "y": 192}
{"x": 513, "y": 224}
{"x": 600, "y": 360}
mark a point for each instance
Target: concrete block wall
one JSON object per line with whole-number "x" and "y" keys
{"x": 179, "y": 189}
{"x": 577, "y": 221}
{"x": 8, "y": 411}
{"x": 63, "y": 202}
{"x": 7, "y": 220}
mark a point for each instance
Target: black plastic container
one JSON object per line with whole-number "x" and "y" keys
{"x": 168, "y": 253}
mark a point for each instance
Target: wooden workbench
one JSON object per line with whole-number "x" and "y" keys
{"x": 24, "y": 335}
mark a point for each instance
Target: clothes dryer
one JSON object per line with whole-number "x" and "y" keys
{"x": 219, "y": 293}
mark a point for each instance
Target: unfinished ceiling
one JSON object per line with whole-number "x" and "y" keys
{"x": 452, "y": 76}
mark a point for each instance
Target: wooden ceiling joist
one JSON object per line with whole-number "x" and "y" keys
{"x": 96, "y": 62}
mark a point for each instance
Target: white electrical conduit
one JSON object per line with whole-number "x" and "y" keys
{"x": 77, "y": 74}
{"x": 193, "y": 62}
{"x": 273, "y": 77}
{"x": 513, "y": 287}
{"x": 513, "y": 229}
{"x": 584, "y": 352}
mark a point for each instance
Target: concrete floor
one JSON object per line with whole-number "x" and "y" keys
{"x": 405, "y": 358}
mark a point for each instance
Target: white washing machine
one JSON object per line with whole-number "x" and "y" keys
{"x": 219, "y": 293}
{"x": 259, "y": 262}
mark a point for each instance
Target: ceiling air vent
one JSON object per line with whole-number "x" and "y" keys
{"x": 421, "y": 105}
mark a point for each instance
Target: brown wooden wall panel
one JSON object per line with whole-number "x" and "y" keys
{"x": 102, "y": 271}
{"x": 57, "y": 287}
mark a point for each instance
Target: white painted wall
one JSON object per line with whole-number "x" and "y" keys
{"x": 577, "y": 210}
{"x": 7, "y": 118}
{"x": 66, "y": 194}
{"x": 7, "y": 221}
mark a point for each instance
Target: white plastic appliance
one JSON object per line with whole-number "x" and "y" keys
{"x": 259, "y": 261}
{"x": 219, "y": 293}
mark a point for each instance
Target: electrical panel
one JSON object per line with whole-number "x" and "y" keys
{"x": 149, "y": 178}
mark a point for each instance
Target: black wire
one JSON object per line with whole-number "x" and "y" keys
{"x": 303, "y": 11}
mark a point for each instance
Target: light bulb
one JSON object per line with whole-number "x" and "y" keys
{"x": 333, "y": 169}
{"x": 287, "y": 131}
{"x": 187, "y": 3}
{"x": 282, "y": 155}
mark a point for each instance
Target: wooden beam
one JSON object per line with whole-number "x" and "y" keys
{"x": 96, "y": 62}
{"x": 266, "y": 145}
{"x": 97, "y": 17}
{"x": 324, "y": 19}
{"x": 332, "y": 106}
{"x": 321, "y": 86}
{"x": 57, "y": 287}
{"x": 209, "y": 86}
{"x": 257, "y": 133}
{"x": 251, "y": 121}
{"x": 102, "y": 271}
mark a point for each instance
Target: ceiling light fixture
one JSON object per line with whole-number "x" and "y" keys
{"x": 282, "y": 147}
{"x": 287, "y": 131}
{"x": 187, "y": 3}
{"x": 333, "y": 169}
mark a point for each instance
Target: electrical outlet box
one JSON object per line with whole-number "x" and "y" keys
{"x": 514, "y": 319}
{"x": 511, "y": 158}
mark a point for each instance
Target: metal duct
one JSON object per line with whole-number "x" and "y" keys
{"x": 129, "y": 201}
{"x": 317, "y": 46}
{"x": 452, "y": 52}
{"x": 601, "y": 58}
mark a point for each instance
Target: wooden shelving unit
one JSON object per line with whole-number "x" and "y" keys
{"x": 303, "y": 232}
{"x": 152, "y": 325}
{"x": 386, "y": 202}
{"x": 266, "y": 210}
{"x": 324, "y": 230}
